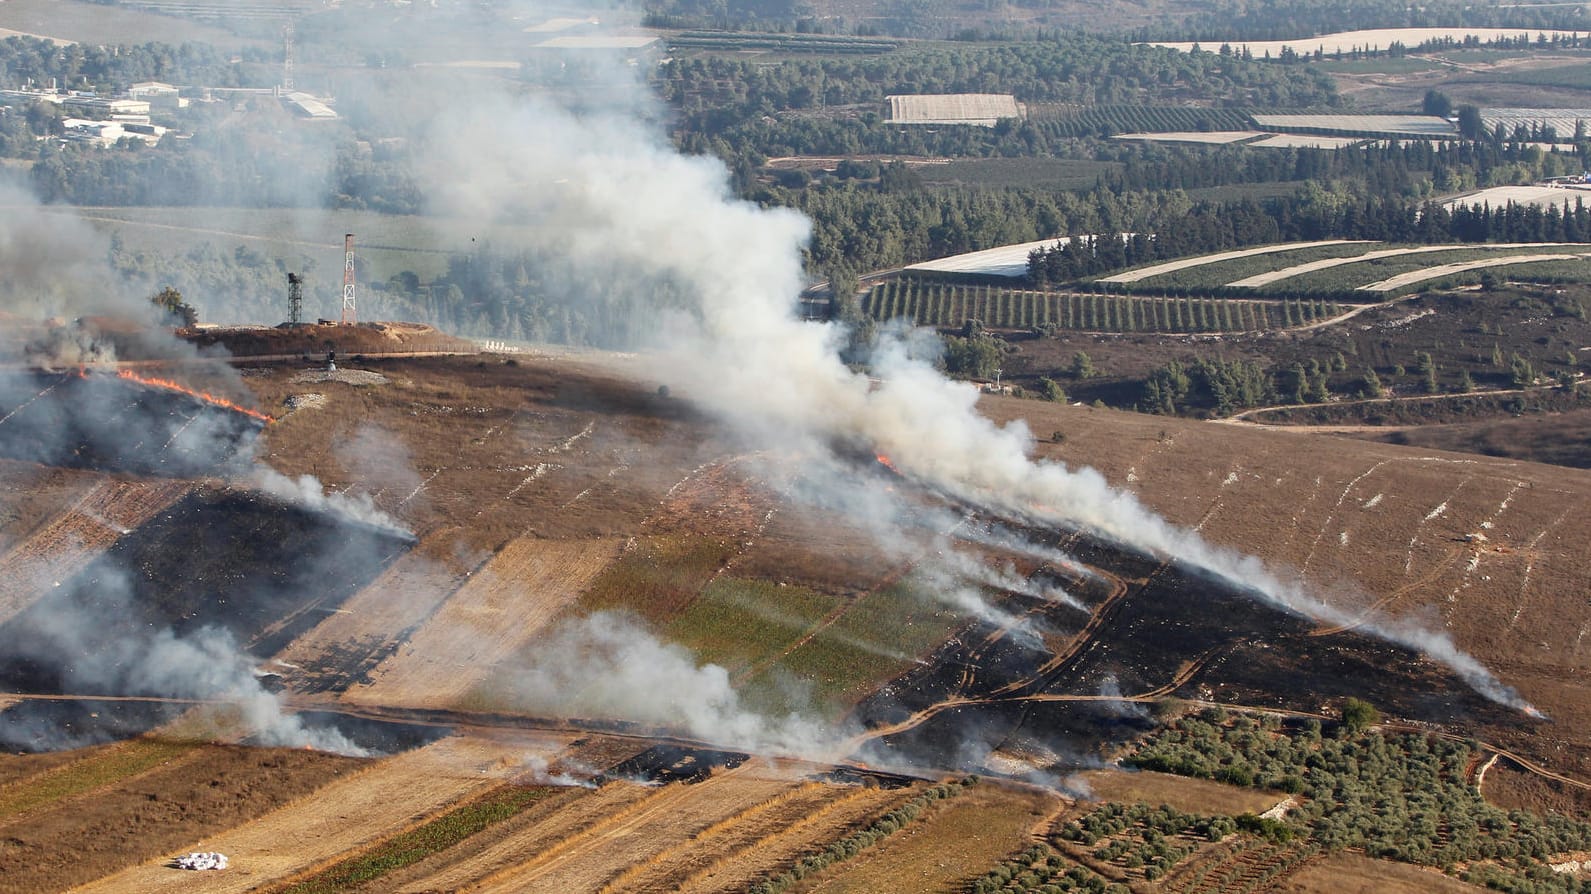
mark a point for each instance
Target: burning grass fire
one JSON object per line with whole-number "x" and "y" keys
{"x": 207, "y": 397}
{"x": 121, "y": 423}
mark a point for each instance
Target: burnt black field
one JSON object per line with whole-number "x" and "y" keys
{"x": 101, "y": 422}
{"x": 180, "y": 607}
{"x": 1167, "y": 629}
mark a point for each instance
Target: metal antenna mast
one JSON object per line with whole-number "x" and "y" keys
{"x": 349, "y": 316}
{"x": 287, "y": 57}
{"x": 295, "y": 299}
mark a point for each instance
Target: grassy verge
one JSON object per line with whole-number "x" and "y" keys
{"x": 416, "y": 844}
{"x": 657, "y": 579}
{"x": 1351, "y": 276}
{"x": 1219, "y": 274}
{"x": 875, "y": 640}
{"x": 737, "y": 622}
{"x": 110, "y": 765}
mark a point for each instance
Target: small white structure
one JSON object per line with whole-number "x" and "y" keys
{"x": 201, "y": 861}
{"x": 308, "y": 106}
{"x": 979, "y": 109}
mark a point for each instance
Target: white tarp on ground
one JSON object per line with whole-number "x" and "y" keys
{"x": 201, "y": 860}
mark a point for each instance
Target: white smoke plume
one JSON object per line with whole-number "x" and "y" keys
{"x": 609, "y": 665}
{"x": 307, "y": 491}
{"x": 623, "y": 198}
{"x": 68, "y": 636}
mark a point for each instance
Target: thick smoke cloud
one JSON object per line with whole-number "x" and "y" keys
{"x": 622, "y": 197}
{"x": 608, "y": 665}
{"x": 79, "y": 641}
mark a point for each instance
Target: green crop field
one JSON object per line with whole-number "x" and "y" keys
{"x": 949, "y": 305}
{"x": 876, "y": 639}
{"x": 1352, "y": 276}
{"x": 738, "y": 622}
{"x": 1210, "y": 276}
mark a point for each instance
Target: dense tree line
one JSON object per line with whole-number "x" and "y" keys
{"x": 110, "y": 68}
{"x": 1248, "y": 20}
{"x": 774, "y": 109}
{"x": 1397, "y": 796}
{"x": 1208, "y": 227}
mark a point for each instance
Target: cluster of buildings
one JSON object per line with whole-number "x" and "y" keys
{"x": 91, "y": 118}
{"x": 106, "y": 120}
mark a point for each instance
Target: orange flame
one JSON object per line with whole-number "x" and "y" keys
{"x": 200, "y": 395}
{"x": 884, "y": 461}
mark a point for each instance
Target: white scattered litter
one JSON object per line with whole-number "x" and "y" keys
{"x": 305, "y": 401}
{"x": 345, "y": 376}
{"x": 201, "y": 860}
{"x": 1372, "y": 502}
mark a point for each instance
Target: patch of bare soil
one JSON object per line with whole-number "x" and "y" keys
{"x": 500, "y": 608}
{"x": 30, "y": 495}
{"x": 1181, "y": 792}
{"x": 1512, "y": 788}
{"x": 381, "y": 800}
{"x": 492, "y": 450}
{"x": 950, "y": 844}
{"x": 83, "y": 838}
{"x": 1560, "y": 438}
{"x": 1488, "y": 551}
{"x": 316, "y": 341}
{"x": 1353, "y": 874}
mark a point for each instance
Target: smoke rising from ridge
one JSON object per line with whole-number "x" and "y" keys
{"x": 623, "y": 197}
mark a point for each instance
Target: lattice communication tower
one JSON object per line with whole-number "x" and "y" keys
{"x": 349, "y": 315}
{"x": 295, "y": 299}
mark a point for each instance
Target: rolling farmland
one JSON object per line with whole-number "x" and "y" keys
{"x": 928, "y": 303}
{"x": 768, "y": 590}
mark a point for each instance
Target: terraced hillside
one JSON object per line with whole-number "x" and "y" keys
{"x": 812, "y": 699}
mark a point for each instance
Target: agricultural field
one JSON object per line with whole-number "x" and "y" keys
{"x": 81, "y": 21}
{"x": 1337, "y": 270}
{"x": 1368, "y": 40}
{"x": 526, "y": 510}
{"x": 950, "y": 305}
{"x": 1142, "y": 273}
{"x": 1111, "y": 119}
{"x": 1498, "y": 196}
{"x": 1361, "y": 126}
{"x": 1212, "y": 138}
{"x": 1059, "y": 173}
{"x": 1564, "y": 122}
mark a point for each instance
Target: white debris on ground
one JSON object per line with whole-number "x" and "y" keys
{"x": 201, "y": 860}
{"x": 345, "y": 376}
{"x": 1281, "y": 809}
{"x": 305, "y": 401}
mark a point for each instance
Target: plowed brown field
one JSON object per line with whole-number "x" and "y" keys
{"x": 502, "y": 606}
{"x": 671, "y": 815}
{"x": 951, "y": 843}
{"x": 842, "y": 811}
{"x": 388, "y": 796}
{"x": 1489, "y": 551}
{"x": 154, "y": 813}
